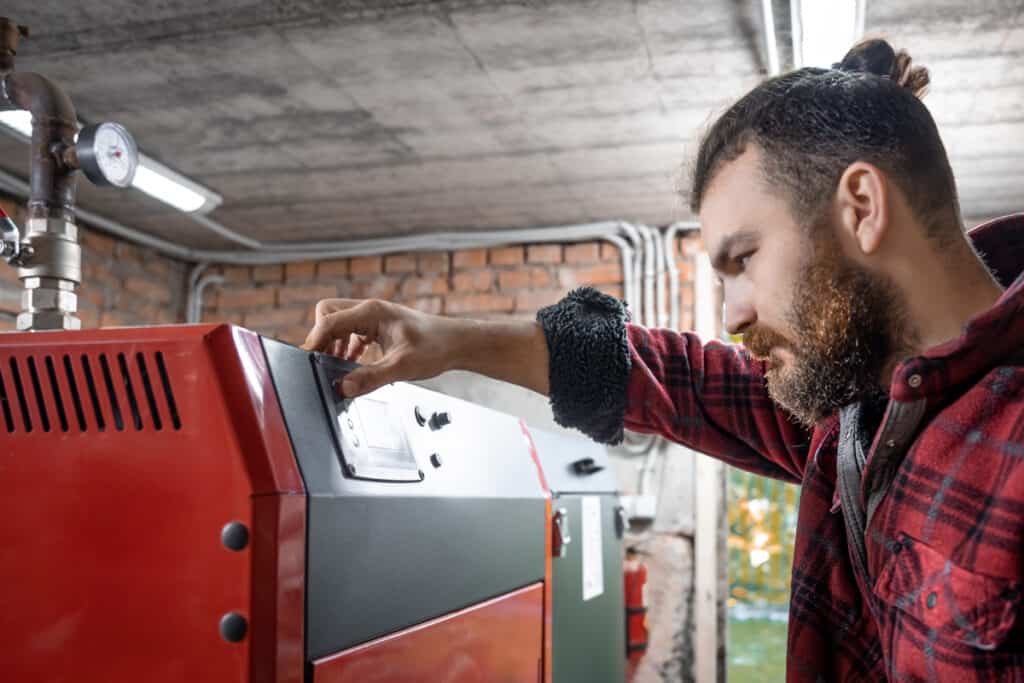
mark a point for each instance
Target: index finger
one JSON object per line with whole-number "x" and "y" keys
{"x": 325, "y": 307}
{"x": 359, "y": 319}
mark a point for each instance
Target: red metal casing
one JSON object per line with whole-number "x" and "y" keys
{"x": 498, "y": 640}
{"x": 111, "y": 561}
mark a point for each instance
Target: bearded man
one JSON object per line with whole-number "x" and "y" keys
{"x": 881, "y": 369}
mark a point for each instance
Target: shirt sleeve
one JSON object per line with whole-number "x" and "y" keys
{"x": 606, "y": 374}
{"x": 713, "y": 398}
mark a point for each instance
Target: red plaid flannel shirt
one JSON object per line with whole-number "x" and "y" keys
{"x": 940, "y": 598}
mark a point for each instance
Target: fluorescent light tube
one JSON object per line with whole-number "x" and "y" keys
{"x": 151, "y": 177}
{"x": 18, "y": 120}
{"x": 172, "y": 188}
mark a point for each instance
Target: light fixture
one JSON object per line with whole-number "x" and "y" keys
{"x": 172, "y": 188}
{"x": 151, "y": 177}
{"x": 18, "y": 120}
{"x": 823, "y": 30}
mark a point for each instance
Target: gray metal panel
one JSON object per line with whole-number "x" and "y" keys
{"x": 383, "y": 556}
{"x": 588, "y": 637}
{"x": 557, "y": 453}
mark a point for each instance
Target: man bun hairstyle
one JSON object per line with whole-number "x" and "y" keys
{"x": 811, "y": 124}
{"x": 878, "y": 57}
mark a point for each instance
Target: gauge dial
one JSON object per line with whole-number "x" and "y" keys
{"x": 107, "y": 154}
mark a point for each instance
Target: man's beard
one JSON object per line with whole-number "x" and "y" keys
{"x": 848, "y": 325}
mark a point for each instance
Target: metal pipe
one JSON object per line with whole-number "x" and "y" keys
{"x": 673, "y": 271}
{"x": 49, "y": 257}
{"x": 771, "y": 38}
{"x": 195, "y": 314}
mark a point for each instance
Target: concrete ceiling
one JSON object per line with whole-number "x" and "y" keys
{"x": 340, "y": 120}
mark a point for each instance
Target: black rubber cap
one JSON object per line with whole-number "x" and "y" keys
{"x": 234, "y": 536}
{"x": 233, "y": 627}
{"x": 435, "y": 460}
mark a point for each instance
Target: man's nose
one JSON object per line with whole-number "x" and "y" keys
{"x": 739, "y": 312}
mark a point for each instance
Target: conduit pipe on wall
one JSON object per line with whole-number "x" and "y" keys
{"x": 674, "y": 318}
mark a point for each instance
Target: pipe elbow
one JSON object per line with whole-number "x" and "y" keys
{"x": 47, "y": 102}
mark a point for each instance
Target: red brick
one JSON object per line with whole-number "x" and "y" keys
{"x": 305, "y": 295}
{"x": 544, "y": 253}
{"x": 271, "y": 273}
{"x": 513, "y": 279}
{"x": 366, "y": 265}
{"x": 531, "y": 302}
{"x": 432, "y": 263}
{"x": 158, "y": 266}
{"x": 156, "y": 291}
{"x": 470, "y": 258}
{"x": 303, "y": 271}
{"x": 506, "y": 256}
{"x": 209, "y": 316}
{"x": 586, "y": 252}
{"x": 238, "y": 274}
{"x": 128, "y": 253}
{"x": 612, "y": 290}
{"x": 333, "y": 270}
{"x": 295, "y": 335}
{"x": 93, "y": 294}
{"x": 234, "y": 298}
{"x": 115, "y": 319}
{"x": 458, "y": 304}
{"x": 275, "y": 317}
{"x": 540, "y": 278}
{"x": 377, "y": 288}
{"x": 97, "y": 243}
{"x": 413, "y": 287}
{"x": 89, "y": 315}
{"x": 400, "y": 263}
{"x": 473, "y": 281}
{"x": 604, "y": 274}
{"x": 610, "y": 252}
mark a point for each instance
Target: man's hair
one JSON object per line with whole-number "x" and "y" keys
{"x": 812, "y": 123}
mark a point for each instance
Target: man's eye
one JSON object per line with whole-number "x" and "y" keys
{"x": 744, "y": 260}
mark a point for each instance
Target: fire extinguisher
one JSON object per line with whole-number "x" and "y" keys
{"x": 635, "y": 574}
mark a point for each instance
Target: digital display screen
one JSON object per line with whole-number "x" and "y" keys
{"x": 378, "y": 428}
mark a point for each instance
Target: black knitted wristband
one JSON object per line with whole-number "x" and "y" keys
{"x": 588, "y": 355}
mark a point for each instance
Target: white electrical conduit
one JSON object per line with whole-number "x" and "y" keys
{"x": 674, "y": 318}
{"x": 771, "y": 38}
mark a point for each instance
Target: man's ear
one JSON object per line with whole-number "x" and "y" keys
{"x": 862, "y": 199}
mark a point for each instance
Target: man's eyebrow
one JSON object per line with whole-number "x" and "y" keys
{"x": 721, "y": 255}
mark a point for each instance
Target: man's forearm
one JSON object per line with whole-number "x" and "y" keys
{"x": 515, "y": 352}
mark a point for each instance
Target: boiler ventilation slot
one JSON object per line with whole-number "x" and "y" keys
{"x": 79, "y": 393}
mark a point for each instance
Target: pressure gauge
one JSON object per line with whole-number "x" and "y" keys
{"x": 107, "y": 154}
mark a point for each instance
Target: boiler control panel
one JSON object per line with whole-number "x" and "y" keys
{"x": 370, "y": 432}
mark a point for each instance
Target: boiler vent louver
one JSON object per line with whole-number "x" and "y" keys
{"x": 80, "y": 393}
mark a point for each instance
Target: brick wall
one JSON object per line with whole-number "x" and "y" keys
{"x": 505, "y": 282}
{"x": 122, "y": 284}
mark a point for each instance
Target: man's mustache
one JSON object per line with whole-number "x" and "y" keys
{"x": 760, "y": 340}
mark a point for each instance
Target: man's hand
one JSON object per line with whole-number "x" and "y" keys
{"x": 418, "y": 346}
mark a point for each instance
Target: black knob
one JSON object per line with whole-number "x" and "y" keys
{"x": 420, "y": 420}
{"x": 438, "y": 420}
{"x": 233, "y": 627}
{"x": 435, "y": 460}
{"x": 234, "y": 536}
{"x": 586, "y": 466}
